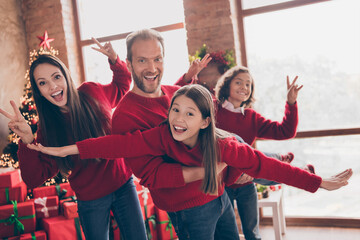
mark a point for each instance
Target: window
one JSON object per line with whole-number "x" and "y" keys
{"x": 319, "y": 43}
{"x": 114, "y": 19}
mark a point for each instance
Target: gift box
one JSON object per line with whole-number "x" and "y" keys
{"x": 150, "y": 221}
{"x": 68, "y": 208}
{"x": 60, "y": 228}
{"x": 10, "y": 179}
{"x": 62, "y": 190}
{"x": 17, "y": 218}
{"x": 38, "y": 235}
{"x": 46, "y": 207}
{"x": 17, "y": 193}
{"x": 164, "y": 226}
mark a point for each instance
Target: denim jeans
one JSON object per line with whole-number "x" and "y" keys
{"x": 95, "y": 214}
{"x": 247, "y": 204}
{"x": 213, "y": 220}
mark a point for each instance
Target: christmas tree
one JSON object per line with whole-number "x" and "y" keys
{"x": 28, "y": 110}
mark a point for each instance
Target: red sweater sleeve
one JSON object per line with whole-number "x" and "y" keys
{"x": 153, "y": 172}
{"x": 114, "y": 91}
{"x": 35, "y": 167}
{"x": 136, "y": 144}
{"x": 257, "y": 165}
{"x": 181, "y": 81}
{"x": 278, "y": 130}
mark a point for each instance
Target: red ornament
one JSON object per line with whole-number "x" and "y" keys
{"x": 45, "y": 40}
{"x": 33, "y": 121}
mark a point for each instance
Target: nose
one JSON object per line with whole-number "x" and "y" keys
{"x": 52, "y": 85}
{"x": 151, "y": 66}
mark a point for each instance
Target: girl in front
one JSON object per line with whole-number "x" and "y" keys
{"x": 189, "y": 135}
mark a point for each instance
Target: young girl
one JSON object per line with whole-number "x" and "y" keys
{"x": 189, "y": 136}
{"x": 67, "y": 115}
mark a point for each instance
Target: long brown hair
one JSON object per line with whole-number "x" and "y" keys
{"x": 222, "y": 89}
{"x": 207, "y": 136}
{"x": 84, "y": 114}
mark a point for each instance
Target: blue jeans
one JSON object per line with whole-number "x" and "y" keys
{"x": 213, "y": 220}
{"x": 95, "y": 214}
{"x": 247, "y": 204}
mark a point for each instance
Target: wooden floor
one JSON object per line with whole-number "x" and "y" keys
{"x": 312, "y": 233}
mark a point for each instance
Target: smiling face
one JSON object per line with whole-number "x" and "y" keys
{"x": 146, "y": 67}
{"x": 186, "y": 120}
{"x": 51, "y": 84}
{"x": 240, "y": 89}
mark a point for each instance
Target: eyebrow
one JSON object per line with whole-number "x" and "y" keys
{"x": 188, "y": 107}
{"x": 51, "y": 76}
{"x": 237, "y": 78}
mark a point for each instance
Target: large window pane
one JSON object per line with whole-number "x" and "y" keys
{"x": 329, "y": 155}
{"x": 109, "y": 17}
{"x": 176, "y": 59}
{"x": 325, "y": 53}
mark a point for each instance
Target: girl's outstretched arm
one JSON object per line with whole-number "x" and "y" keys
{"x": 55, "y": 151}
{"x": 337, "y": 181}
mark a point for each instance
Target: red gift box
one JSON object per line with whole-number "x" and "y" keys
{"x": 148, "y": 212}
{"x": 38, "y": 235}
{"x": 62, "y": 190}
{"x": 60, "y": 228}
{"x": 69, "y": 208}
{"x": 164, "y": 226}
{"x": 10, "y": 179}
{"x": 17, "y": 218}
{"x": 17, "y": 193}
{"x": 46, "y": 207}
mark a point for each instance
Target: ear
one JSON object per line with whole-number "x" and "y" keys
{"x": 205, "y": 123}
{"x": 128, "y": 64}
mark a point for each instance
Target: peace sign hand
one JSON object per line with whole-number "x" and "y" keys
{"x": 196, "y": 66}
{"x": 293, "y": 90}
{"x": 18, "y": 124}
{"x": 107, "y": 50}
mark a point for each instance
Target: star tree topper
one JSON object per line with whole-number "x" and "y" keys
{"x": 45, "y": 41}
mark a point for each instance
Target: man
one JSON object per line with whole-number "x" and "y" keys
{"x": 146, "y": 106}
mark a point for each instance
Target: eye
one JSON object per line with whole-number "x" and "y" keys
{"x": 141, "y": 60}
{"x": 175, "y": 110}
{"x": 190, "y": 114}
{"x": 57, "y": 76}
{"x": 41, "y": 83}
{"x": 158, "y": 60}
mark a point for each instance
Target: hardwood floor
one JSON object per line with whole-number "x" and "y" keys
{"x": 312, "y": 233}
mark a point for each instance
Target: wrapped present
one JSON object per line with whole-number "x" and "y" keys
{"x": 46, "y": 207}
{"x": 38, "y": 235}
{"x": 17, "y": 218}
{"x": 68, "y": 208}
{"x": 150, "y": 221}
{"x": 16, "y": 193}
{"x": 10, "y": 179}
{"x": 164, "y": 226}
{"x": 59, "y": 228}
{"x": 62, "y": 190}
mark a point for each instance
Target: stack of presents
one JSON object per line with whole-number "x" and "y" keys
{"x": 52, "y": 212}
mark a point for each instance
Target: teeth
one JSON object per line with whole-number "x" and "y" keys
{"x": 179, "y": 128}
{"x": 150, "y": 77}
{"x": 56, "y": 93}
